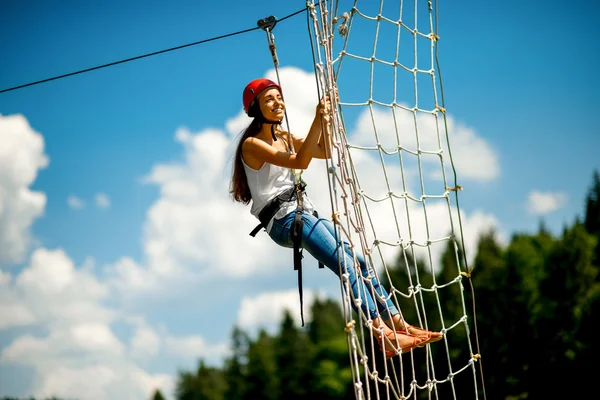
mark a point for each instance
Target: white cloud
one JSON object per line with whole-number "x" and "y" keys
{"x": 75, "y": 202}
{"x": 127, "y": 275}
{"x": 93, "y": 375}
{"x": 14, "y": 314}
{"x": 78, "y": 341}
{"x": 194, "y": 347}
{"x": 194, "y": 208}
{"x": 100, "y": 382}
{"x": 473, "y": 157}
{"x": 55, "y": 291}
{"x": 478, "y": 223}
{"x": 267, "y": 309}
{"x": 102, "y": 200}
{"x": 145, "y": 342}
{"x": 21, "y": 158}
{"x": 545, "y": 202}
{"x": 67, "y": 301}
{"x": 71, "y": 343}
{"x": 5, "y": 278}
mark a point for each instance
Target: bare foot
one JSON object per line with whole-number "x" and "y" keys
{"x": 393, "y": 341}
{"x": 423, "y": 334}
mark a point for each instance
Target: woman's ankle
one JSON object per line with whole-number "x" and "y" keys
{"x": 397, "y": 322}
{"x": 381, "y": 328}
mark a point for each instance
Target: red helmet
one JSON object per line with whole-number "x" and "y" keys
{"x": 254, "y": 89}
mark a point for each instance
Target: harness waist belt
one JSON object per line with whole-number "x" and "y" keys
{"x": 268, "y": 212}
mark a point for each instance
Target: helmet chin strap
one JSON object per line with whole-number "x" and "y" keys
{"x": 273, "y": 129}
{"x": 263, "y": 120}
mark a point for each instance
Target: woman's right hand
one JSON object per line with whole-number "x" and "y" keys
{"x": 324, "y": 108}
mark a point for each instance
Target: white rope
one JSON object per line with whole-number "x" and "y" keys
{"x": 352, "y": 206}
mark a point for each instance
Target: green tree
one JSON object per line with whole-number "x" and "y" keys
{"x": 454, "y": 287}
{"x": 158, "y": 395}
{"x": 450, "y": 294}
{"x": 332, "y": 377}
{"x": 261, "y": 377}
{"x": 527, "y": 257}
{"x": 410, "y": 272}
{"x": 235, "y": 367}
{"x": 426, "y": 308}
{"x": 208, "y": 383}
{"x": 327, "y": 321}
{"x": 587, "y": 312}
{"x": 592, "y": 207}
{"x": 592, "y": 213}
{"x": 294, "y": 354}
{"x": 568, "y": 292}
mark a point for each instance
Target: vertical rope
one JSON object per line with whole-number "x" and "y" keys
{"x": 267, "y": 25}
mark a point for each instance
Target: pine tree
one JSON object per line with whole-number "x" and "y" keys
{"x": 592, "y": 214}
{"x": 261, "y": 377}
{"x": 294, "y": 354}
{"x": 568, "y": 292}
{"x": 207, "y": 383}
{"x": 158, "y": 395}
{"x": 332, "y": 378}
{"x": 592, "y": 209}
{"x": 235, "y": 367}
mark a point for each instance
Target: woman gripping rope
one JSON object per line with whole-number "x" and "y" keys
{"x": 263, "y": 174}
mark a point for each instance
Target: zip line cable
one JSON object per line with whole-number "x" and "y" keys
{"x": 147, "y": 55}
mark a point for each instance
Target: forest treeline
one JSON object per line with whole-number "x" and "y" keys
{"x": 536, "y": 302}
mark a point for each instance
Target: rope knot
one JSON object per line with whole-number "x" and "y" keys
{"x": 349, "y": 326}
{"x": 454, "y": 189}
{"x": 342, "y": 29}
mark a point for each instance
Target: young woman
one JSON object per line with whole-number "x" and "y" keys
{"x": 262, "y": 173}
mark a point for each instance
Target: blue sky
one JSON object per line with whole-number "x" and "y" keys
{"x": 518, "y": 82}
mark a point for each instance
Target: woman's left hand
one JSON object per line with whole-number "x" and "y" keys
{"x": 324, "y": 108}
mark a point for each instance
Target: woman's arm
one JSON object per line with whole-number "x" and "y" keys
{"x": 320, "y": 127}
{"x": 323, "y": 148}
{"x": 257, "y": 152}
{"x": 324, "y": 144}
{"x": 313, "y": 146}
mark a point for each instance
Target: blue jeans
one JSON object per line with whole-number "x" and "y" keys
{"x": 318, "y": 238}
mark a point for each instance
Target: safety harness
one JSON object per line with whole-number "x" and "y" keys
{"x": 269, "y": 211}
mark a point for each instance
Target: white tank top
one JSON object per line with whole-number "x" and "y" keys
{"x": 266, "y": 183}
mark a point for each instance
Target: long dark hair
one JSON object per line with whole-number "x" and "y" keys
{"x": 239, "y": 182}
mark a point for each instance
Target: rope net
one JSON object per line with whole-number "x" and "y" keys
{"x": 390, "y": 193}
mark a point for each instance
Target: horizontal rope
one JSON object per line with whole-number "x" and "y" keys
{"x": 146, "y": 55}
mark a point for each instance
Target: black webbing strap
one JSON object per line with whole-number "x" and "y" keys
{"x": 297, "y": 227}
{"x": 256, "y": 229}
{"x": 267, "y": 213}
